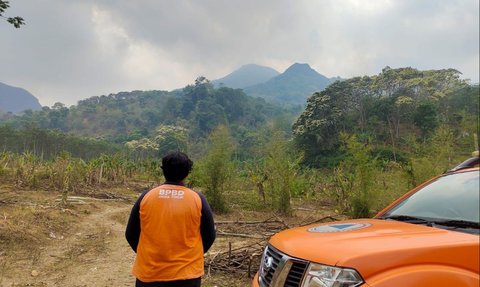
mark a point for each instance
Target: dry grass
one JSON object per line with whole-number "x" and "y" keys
{"x": 28, "y": 222}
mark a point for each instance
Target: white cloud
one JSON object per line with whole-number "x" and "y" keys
{"x": 71, "y": 50}
{"x": 142, "y": 64}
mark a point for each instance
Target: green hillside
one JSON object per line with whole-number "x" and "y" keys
{"x": 141, "y": 116}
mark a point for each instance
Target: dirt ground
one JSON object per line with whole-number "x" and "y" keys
{"x": 46, "y": 243}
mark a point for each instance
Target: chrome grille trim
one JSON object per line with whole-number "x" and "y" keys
{"x": 280, "y": 270}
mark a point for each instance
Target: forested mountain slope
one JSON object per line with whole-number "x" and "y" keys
{"x": 245, "y": 76}
{"x": 293, "y": 86}
{"x": 197, "y": 109}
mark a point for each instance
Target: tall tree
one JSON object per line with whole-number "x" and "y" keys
{"x": 425, "y": 118}
{"x": 171, "y": 138}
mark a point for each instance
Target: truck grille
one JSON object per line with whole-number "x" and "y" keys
{"x": 296, "y": 274}
{"x": 279, "y": 269}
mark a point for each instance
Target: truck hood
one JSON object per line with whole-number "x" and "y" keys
{"x": 373, "y": 245}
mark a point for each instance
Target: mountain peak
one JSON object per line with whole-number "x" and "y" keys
{"x": 299, "y": 68}
{"x": 16, "y": 100}
{"x": 247, "y": 75}
{"x": 252, "y": 66}
{"x": 295, "y": 85}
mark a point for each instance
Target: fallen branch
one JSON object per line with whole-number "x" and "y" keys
{"x": 256, "y": 245}
{"x": 331, "y": 218}
{"x": 285, "y": 225}
{"x": 238, "y": 235}
{"x": 242, "y": 261}
{"x": 269, "y": 220}
{"x": 245, "y": 260}
{"x": 304, "y": 209}
{"x": 83, "y": 199}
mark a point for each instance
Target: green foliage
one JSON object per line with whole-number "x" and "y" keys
{"x": 68, "y": 174}
{"x": 316, "y": 128}
{"x": 148, "y": 169}
{"x": 171, "y": 138}
{"x": 355, "y": 178}
{"x": 303, "y": 182}
{"x": 386, "y": 155}
{"x": 377, "y": 136}
{"x": 168, "y": 120}
{"x": 435, "y": 156}
{"x": 385, "y": 108}
{"x": 15, "y": 21}
{"x": 425, "y": 118}
{"x": 462, "y": 115}
{"x": 5, "y": 158}
{"x": 48, "y": 144}
{"x": 26, "y": 167}
{"x": 280, "y": 171}
{"x": 217, "y": 168}
{"x": 442, "y": 146}
{"x": 142, "y": 148}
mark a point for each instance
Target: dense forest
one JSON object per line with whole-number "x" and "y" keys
{"x": 152, "y": 122}
{"x": 358, "y": 144}
{"x": 391, "y": 110}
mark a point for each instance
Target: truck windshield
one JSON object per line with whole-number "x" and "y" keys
{"x": 451, "y": 200}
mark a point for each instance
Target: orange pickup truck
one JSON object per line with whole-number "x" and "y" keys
{"x": 428, "y": 237}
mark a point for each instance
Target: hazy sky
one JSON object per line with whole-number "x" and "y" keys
{"x": 75, "y": 49}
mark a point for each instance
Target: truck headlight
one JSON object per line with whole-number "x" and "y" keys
{"x": 319, "y": 275}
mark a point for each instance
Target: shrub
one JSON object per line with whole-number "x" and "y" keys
{"x": 216, "y": 169}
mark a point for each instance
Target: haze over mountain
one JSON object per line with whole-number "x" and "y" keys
{"x": 295, "y": 85}
{"x": 16, "y": 100}
{"x": 247, "y": 75}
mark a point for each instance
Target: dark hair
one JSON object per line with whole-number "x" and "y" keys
{"x": 176, "y": 166}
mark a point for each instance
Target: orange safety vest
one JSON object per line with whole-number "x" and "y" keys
{"x": 170, "y": 246}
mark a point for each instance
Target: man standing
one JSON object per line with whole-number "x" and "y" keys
{"x": 170, "y": 228}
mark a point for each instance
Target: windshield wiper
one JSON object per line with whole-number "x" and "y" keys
{"x": 458, "y": 223}
{"x": 407, "y": 218}
{"x": 431, "y": 222}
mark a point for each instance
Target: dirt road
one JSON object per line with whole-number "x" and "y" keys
{"x": 91, "y": 252}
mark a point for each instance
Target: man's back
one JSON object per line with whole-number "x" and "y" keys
{"x": 170, "y": 228}
{"x": 170, "y": 246}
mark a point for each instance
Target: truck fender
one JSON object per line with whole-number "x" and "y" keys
{"x": 425, "y": 275}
